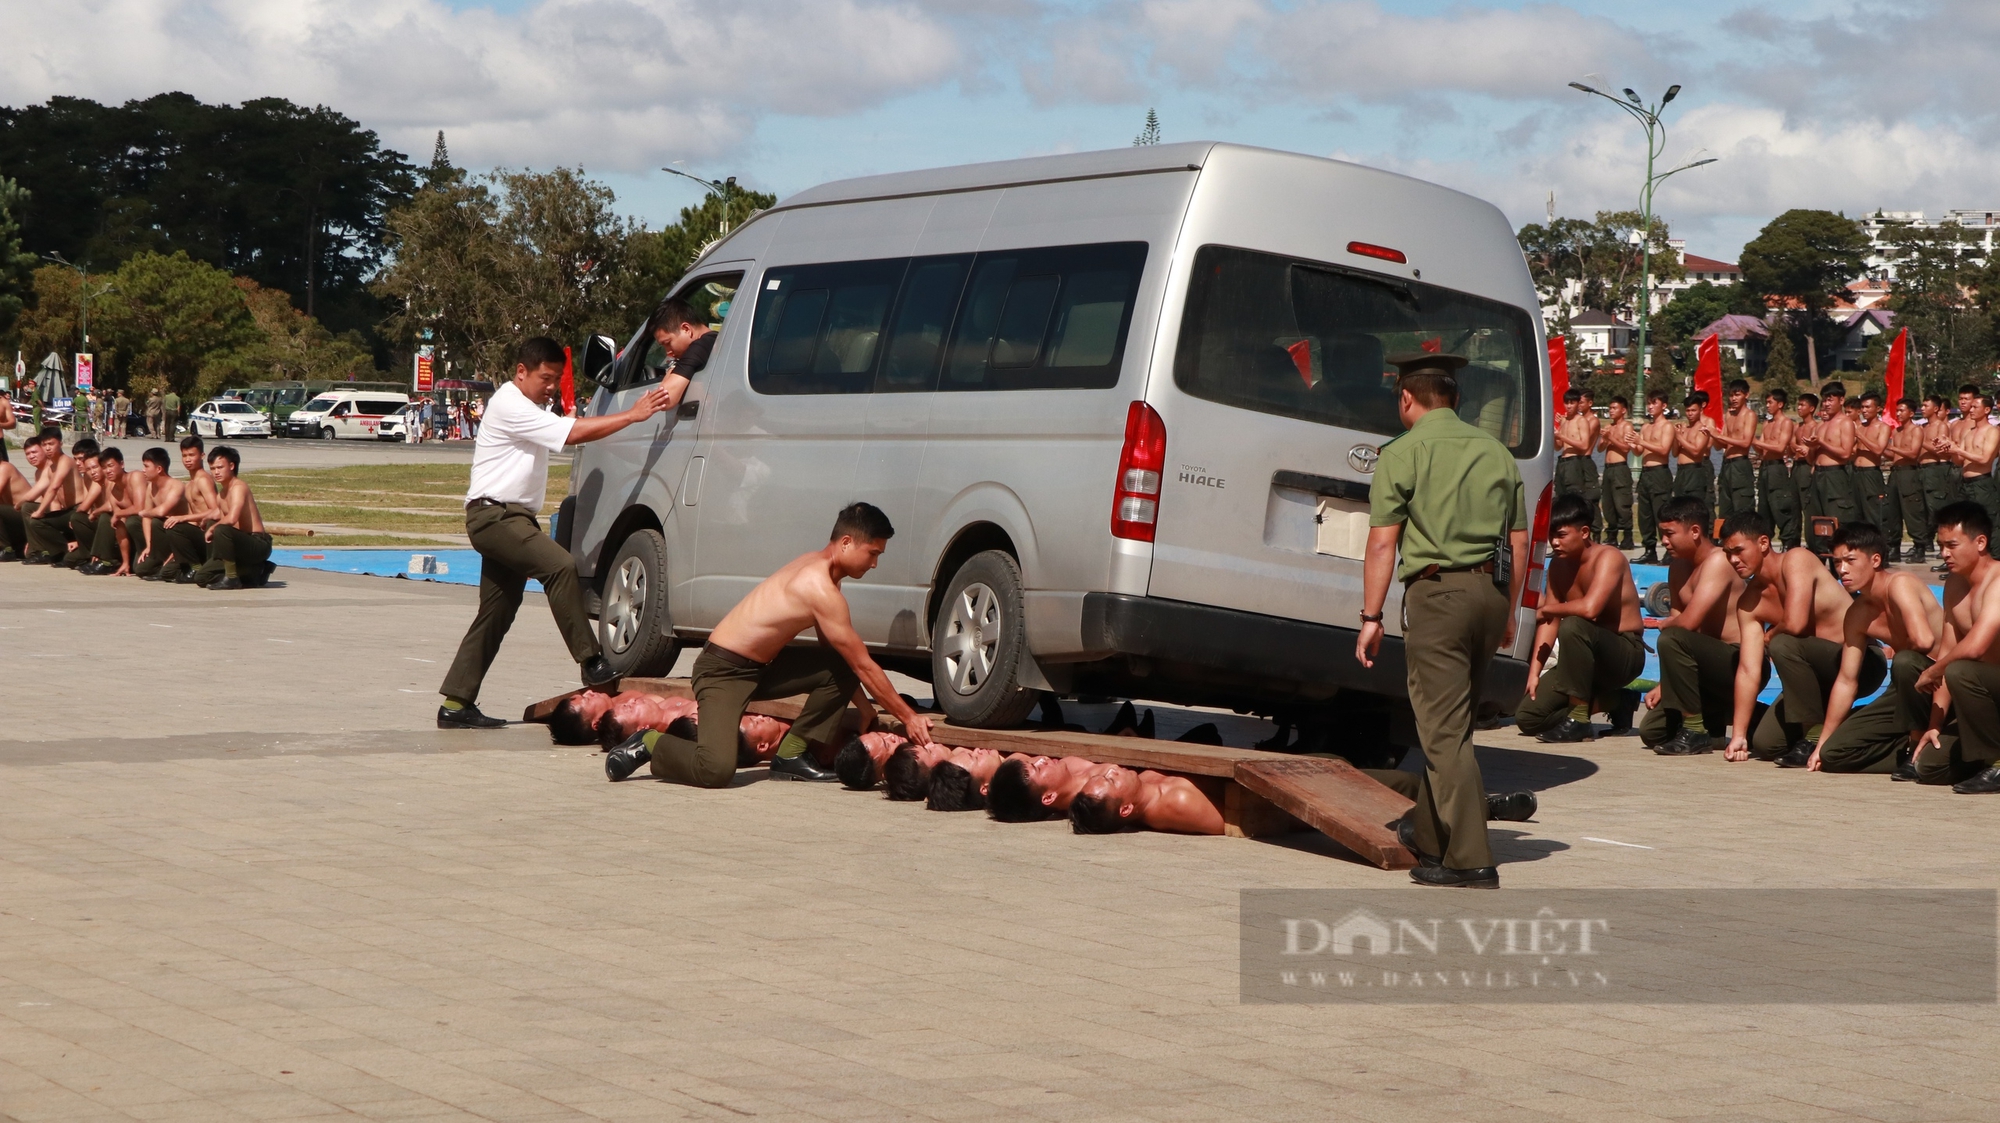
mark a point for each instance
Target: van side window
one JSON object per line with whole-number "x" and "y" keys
{"x": 916, "y": 340}
{"x": 1306, "y": 340}
{"x": 818, "y": 328}
{"x": 644, "y": 361}
{"x": 1046, "y": 319}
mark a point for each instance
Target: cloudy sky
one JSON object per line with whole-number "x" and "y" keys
{"x": 1844, "y": 104}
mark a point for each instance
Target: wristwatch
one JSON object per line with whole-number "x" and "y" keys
{"x": 1367, "y": 619}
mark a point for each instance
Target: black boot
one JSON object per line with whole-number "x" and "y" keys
{"x": 1649, "y": 557}
{"x": 1568, "y": 732}
{"x": 627, "y": 757}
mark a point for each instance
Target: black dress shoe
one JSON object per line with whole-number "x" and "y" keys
{"x": 1914, "y": 555}
{"x": 467, "y": 717}
{"x": 1406, "y": 833}
{"x": 1649, "y": 557}
{"x": 225, "y": 582}
{"x": 801, "y": 767}
{"x": 7, "y": 554}
{"x": 1985, "y": 783}
{"x": 627, "y": 757}
{"x": 1799, "y": 755}
{"x": 598, "y": 672}
{"x": 1511, "y": 807}
{"x": 1941, "y": 568}
{"x": 1906, "y": 766}
{"x": 95, "y": 568}
{"x": 1686, "y": 743}
{"x": 36, "y": 557}
{"x": 1485, "y": 877}
{"x": 1569, "y": 732}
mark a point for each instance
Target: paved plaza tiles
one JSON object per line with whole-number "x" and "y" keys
{"x": 242, "y": 878}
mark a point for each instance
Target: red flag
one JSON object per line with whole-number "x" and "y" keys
{"x": 1892, "y": 378}
{"x": 568, "y": 384}
{"x": 1708, "y": 369}
{"x": 1302, "y": 358}
{"x": 1558, "y": 372}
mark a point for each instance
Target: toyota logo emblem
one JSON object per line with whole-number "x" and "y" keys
{"x": 1362, "y": 458}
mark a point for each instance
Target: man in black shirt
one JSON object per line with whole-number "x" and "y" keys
{"x": 687, "y": 338}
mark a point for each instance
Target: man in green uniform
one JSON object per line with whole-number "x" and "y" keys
{"x": 1656, "y": 480}
{"x": 170, "y": 414}
{"x": 1807, "y": 415}
{"x": 1939, "y": 474}
{"x": 1448, "y": 496}
{"x": 1619, "y": 440}
{"x": 1777, "y": 491}
{"x": 1736, "y": 487}
{"x": 1576, "y": 441}
{"x": 510, "y": 477}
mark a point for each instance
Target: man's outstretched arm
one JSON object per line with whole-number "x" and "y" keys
{"x": 836, "y": 630}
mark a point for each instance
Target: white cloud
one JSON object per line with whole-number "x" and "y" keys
{"x": 614, "y": 84}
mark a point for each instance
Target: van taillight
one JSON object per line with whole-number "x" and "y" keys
{"x": 1538, "y": 547}
{"x": 1135, "y": 503}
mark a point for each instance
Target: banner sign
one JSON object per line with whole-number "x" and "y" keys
{"x": 425, "y": 358}
{"x": 86, "y": 367}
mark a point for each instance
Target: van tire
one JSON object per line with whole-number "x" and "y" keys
{"x": 978, "y": 640}
{"x": 634, "y": 612}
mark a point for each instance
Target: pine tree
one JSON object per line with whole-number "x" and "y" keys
{"x": 1148, "y": 135}
{"x": 440, "y": 173}
{"x": 1781, "y": 367}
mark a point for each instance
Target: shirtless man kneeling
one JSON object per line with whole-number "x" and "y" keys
{"x": 1806, "y": 610}
{"x": 1589, "y": 622}
{"x": 1899, "y": 610}
{"x": 1698, "y": 642}
{"x": 746, "y": 659}
{"x": 1966, "y": 677}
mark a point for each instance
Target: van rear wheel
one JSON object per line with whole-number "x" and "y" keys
{"x": 633, "y": 627}
{"x": 978, "y": 642}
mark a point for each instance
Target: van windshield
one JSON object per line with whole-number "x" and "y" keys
{"x": 1310, "y": 341}
{"x": 317, "y": 405}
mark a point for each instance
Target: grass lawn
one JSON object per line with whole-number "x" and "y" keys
{"x": 378, "y": 499}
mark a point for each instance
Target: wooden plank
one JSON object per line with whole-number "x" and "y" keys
{"x": 1333, "y": 797}
{"x": 1245, "y": 814}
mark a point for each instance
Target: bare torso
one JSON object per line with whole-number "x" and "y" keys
{"x": 777, "y": 610}
{"x": 1600, "y": 564}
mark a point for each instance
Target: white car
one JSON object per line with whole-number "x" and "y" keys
{"x": 390, "y": 428}
{"x": 227, "y": 417}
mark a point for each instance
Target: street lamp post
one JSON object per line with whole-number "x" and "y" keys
{"x": 725, "y": 189}
{"x": 1656, "y": 143}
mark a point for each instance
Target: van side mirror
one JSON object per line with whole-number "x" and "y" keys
{"x": 600, "y": 356}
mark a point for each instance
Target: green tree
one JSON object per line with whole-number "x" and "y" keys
{"x": 1805, "y": 258}
{"x": 1151, "y": 133}
{"x": 1781, "y": 365}
{"x": 657, "y": 259}
{"x": 1579, "y": 265}
{"x": 290, "y": 196}
{"x": 1935, "y": 296}
{"x": 445, "y": 282}
{"x": 171, "y": 318}
{"x": 16, "y": 268}
{"x": 1675, "y": 327}
{"x": 290, "y": 345}
{"x": 51, "y": 321}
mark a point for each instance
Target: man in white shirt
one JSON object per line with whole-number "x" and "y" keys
{"x": 510, "y": 478}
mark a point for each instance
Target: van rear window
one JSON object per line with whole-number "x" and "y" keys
{"x": 1306, "y": 340}
{"x": 1046, "y": 319}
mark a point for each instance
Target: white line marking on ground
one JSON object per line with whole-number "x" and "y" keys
{"x": 55, "y": 610}
{"x": 268, "y": 639}
{"x": 407, "y": 690}
{"x": 1615, "y": 842}
{"x": 159, "y": 625}
{"x": 414, "y": 659}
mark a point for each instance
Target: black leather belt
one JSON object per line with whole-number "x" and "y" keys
{"x": 1432, "y": 572}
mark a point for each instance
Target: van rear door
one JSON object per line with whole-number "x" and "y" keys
{"x": 1281, "y": 400}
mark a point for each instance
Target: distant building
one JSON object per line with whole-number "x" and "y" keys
{"x": 1857, "y": 330}
{"x": 1600, "y": 334}
{"x": 1746, "y": 337}
{"x": 1698, "y": 269}
{"x": 1982, "y": 225}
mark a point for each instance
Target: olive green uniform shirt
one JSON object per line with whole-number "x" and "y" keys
{"x": 1452, "y": 487}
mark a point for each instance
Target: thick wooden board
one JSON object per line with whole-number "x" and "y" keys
{"x": 1333, "y": 797}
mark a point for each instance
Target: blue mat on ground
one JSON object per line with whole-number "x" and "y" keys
{"x": 453, "y": 567}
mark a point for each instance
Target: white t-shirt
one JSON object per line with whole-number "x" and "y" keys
{"x": 510, "y": 460}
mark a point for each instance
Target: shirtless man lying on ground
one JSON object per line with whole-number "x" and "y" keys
{"x": 860, "y": 761}
{"x": 746, "y": 659}
{"x": 1121, "y": 799}
{"x": 579, "y": 718}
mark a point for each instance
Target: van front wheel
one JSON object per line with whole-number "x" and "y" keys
{"x": 633, "y": 627}
{"x": 978, "y": 642}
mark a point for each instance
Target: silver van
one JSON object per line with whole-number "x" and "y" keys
{"x": 1122, "y": 408}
